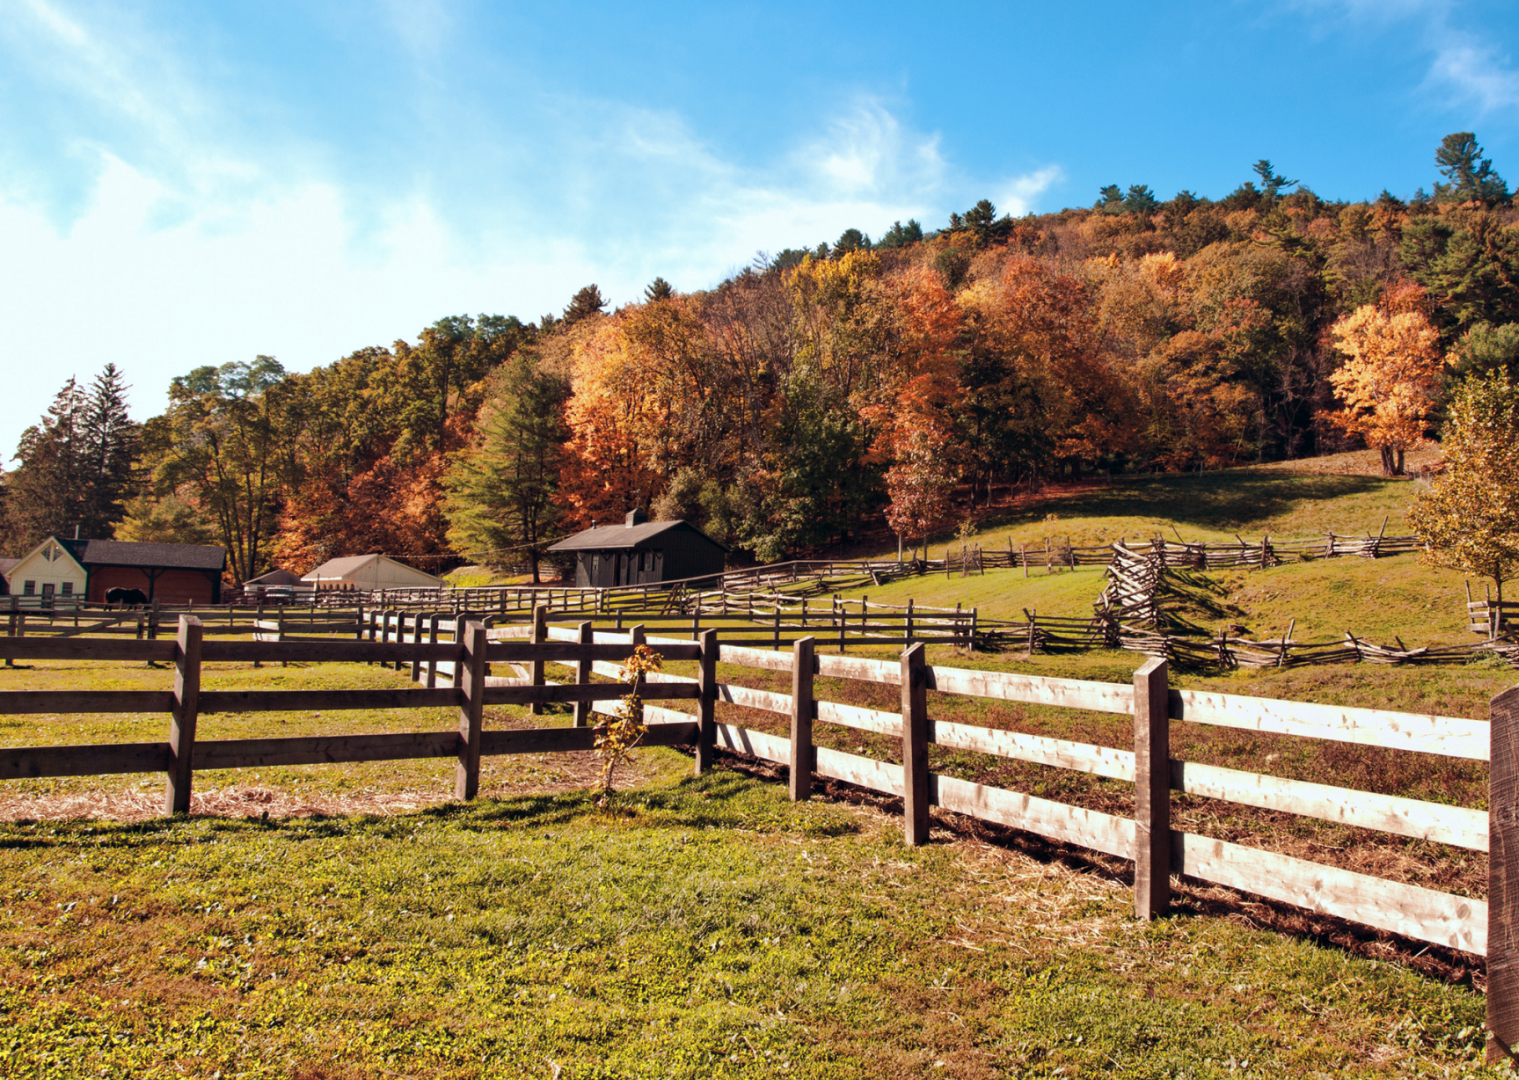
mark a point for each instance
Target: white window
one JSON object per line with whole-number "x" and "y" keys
{"x": 29, "y": 589}
{"x": 68, "y": 588}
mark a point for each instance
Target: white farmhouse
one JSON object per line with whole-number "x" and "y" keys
{"x": 49, "y": 572}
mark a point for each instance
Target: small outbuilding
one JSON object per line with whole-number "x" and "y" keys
{"x": 642, "y": 552}
{"x": 282, "y": 580}
{"x": 368, "y": 573}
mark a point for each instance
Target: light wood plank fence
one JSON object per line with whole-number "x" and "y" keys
{"x": 1489, "y": 928}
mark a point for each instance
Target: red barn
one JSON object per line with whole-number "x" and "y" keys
{"x": 170, "y": 573}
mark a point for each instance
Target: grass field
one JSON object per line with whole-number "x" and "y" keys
{"x": 695, "y": 928}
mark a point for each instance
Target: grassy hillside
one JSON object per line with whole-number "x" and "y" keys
{"x": 1211, "y": 507}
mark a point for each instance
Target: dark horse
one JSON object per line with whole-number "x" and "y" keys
{"x": 132, "y": 597}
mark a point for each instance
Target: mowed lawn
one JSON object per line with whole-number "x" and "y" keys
{"x": 695, "y": 927}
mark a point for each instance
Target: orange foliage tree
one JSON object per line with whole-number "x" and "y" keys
{"x": 1388, "y": 383}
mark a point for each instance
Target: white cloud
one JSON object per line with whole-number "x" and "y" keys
{"x": 1476, "y": 74}
{"x": 1020, "y": 193}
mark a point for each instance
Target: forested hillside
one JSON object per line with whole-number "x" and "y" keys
{"x": 914, "y": 377}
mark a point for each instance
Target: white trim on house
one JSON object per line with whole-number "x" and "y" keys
{"x": 49, "y": 570}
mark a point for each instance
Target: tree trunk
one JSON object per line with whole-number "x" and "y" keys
{"x": 1387, "y": 461}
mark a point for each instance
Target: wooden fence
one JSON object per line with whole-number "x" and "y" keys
{"x": 1488, "y": 928}
{"x": 1131, "y": 614}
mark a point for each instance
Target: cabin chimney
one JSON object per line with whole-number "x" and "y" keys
{"x": 635, "y": 517}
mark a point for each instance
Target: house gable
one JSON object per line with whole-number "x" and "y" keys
{"x": 50, "y": 563}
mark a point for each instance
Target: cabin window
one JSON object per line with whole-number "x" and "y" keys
{"x": 595, "y": 568}
{"x": 29, "y": 589}
{"x": 68, "y": 588}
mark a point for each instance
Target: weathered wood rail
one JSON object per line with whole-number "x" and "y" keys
{"x": 1489, "y": 928}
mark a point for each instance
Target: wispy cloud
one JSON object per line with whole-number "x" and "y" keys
{"x": 1477, "y": 74}
{"x": 1463, "y": 68}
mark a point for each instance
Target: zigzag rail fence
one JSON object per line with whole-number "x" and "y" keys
{"x": 1488, "y": 928}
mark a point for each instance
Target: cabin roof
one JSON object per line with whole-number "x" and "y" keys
{"x": 621, "y": 537}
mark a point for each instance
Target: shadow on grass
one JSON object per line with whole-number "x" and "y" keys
{"x": 1215, "y": 500}
{"x": 718, "y": 800}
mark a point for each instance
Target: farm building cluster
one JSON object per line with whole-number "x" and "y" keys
{"x": 62, "y": 572}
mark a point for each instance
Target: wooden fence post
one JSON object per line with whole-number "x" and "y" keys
{"x": 915, "y": 746}
{"x": 469, "y": 677}
{"x": 907, "y": 633}
{"x": 802, "y": 710}
{"x": 1503, "y": 878}
{"x": 432, "y": 639}
{"x": 540, "y": 635}
{"x": 583, "y": 675}
{"x": 706, "y": 714}
{"x": 186, "y": 712}
{"x": 1152, "y": 790}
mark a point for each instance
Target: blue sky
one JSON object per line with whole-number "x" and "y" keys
{"x": 190, "y": 183}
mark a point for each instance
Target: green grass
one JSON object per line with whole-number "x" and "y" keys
{"x": 1372, "y": 598}
{"x": 1211, "y": 507}
{"x": 696, "y": 928}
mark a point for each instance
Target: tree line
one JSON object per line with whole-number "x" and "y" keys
{"x": 900, "y": 381}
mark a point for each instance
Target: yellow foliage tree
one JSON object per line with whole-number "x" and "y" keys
{"x": 1469, "y": 518}
{"x": 1388, "y": 383}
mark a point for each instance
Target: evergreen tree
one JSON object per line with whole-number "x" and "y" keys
{"x": 109, "y": 447}
{"x": 1140, "y": 200}
{"x": 585, "y": 303}
{"x": 1470, "y": 175}
{"x": 659, "y": 289}
{"x": 1272, "y": 181}
{"x": 48, "y": 491}
{"x": 1110, "y": 199}
{"x": 900, "y": 235}
{"x": 501, "y": 492}
{"x": 851, "y": 240}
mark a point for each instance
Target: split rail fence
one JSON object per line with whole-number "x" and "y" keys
{"x": 1489, "y": 928}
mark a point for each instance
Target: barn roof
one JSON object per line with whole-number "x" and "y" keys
{"x": 154, "y": 556}
{"x": 275, "y": 577}
{"x": 623, "y": 537}
{"x": 336, "y": 568}
{"x": 7, "y": 565}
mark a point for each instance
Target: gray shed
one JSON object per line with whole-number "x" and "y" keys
{"x": 640, "y": 552}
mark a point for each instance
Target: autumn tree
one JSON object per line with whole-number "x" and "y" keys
{"x": 1388, "y": 382}
{"x": 920, "y": 483}
{"x": 1468, "y": 519}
